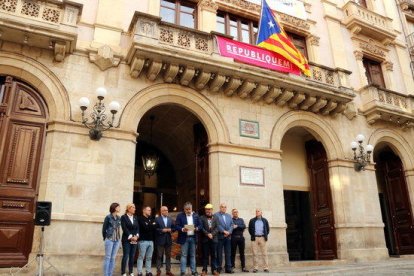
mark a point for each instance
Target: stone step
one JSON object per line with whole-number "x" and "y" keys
{"x": 317, "y": 263}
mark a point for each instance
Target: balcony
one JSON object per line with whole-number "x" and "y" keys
{"x": 42, "y": 24}
{"x": 360, "y": 20}
{"x": 190, "y": 57}
{"x": 380, "y": 104}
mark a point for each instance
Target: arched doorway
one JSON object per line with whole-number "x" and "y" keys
{"x": 180, "y": 141}
{"x": 394, "y": 200}
{"x": 309, "y": 215}
{"x": 23, "y": 117}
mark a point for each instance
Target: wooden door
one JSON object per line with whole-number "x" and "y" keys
{"x": 23, "y": 116}
{"x": 202, "y": 167}
{"x": 390, "y": 168}
{"x": 322, "y": 208}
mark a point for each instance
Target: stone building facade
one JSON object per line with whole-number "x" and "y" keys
{"x": 225, "y": 131}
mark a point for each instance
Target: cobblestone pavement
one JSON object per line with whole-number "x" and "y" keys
{"x": 384, "y": 268}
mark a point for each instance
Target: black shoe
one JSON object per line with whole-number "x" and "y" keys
{"x": 245, "y": 270}
{"x": 266, "y": 270}
{"x": 254, "y": 270}
{"x": 139, "y": 274}
{"x": 219, "y": 270}
{"x": 182, "y": 273}
{"x": 194, "y": 273}
{"x": 229, "y": 271}
{"x": 148, "y": 274}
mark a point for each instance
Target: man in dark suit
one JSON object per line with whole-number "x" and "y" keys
{"x": 188, "y": 224}
{"x": 209, "y": 240}
{"x": 225, "y": 228}
{"x": 237, "y": 240}
{"x": 163, "y": 240}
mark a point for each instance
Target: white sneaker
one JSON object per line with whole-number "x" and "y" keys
{"x": 132, "y": 274}
{"x": 124, "y": 274}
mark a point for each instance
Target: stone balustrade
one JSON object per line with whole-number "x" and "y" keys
{"x": 43, "y": 24}
{"x": 190, "y": 57}
{"x": 41, "y": 11}
{"x": 361, "y": 20}
{"x": 380, "y": 104}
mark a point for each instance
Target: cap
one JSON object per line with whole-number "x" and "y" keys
{"x": 209, "y": 206}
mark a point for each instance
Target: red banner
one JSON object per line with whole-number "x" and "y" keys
{"x": 254, "y": 55}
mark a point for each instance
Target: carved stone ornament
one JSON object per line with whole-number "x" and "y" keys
{"x": 314, "y": 40}
{"x": 210, "y": 5}
{"x": 294, "y": 21}
{"x": 60, "y": 50}
{"x": 104, "y": 58}
{"x": 389, "y": 66}
{"x": 243, "y": 4}
{"x": 358, "y": 55}
{"x": 350, "y": 111}
{"x": 371, "y": 48}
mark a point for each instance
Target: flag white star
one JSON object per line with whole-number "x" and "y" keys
{"x": 271, "y": 25}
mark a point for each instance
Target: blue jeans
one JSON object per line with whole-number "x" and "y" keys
{"x": 129, "y": 254}
{"x": 188, "y": 249}
{"x": 226, "y": 244}
{"x": 111, "y": 248}
{"x": 146, "y": 248}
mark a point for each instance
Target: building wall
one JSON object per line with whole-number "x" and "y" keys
{"x": 82, "y": 177}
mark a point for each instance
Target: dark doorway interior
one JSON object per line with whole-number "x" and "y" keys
{"x": 180, "y": 141}
{"x": 299, "y": 234}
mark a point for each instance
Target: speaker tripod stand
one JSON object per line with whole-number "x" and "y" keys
{"x": 40, "y": 259}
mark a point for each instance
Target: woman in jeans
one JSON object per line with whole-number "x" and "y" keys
{"x": 111, "y": 233}
{"x": 130, "y": 236}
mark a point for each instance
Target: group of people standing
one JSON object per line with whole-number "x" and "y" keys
{"x": 220, "y": 233}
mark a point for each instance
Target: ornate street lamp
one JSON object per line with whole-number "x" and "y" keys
{"x": 99, "y": 122}
{"x": 363, "y": 157}
{"x": 150, "y": 159}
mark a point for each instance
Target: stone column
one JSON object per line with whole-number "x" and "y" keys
{"x": 388, "y": 68}
{"x": 363, "y": 81}
{"x": 334, "y": 25}
{"x": 314, "y": 50}
{"x": 154, "y": 7}
{"x": 206, "y": 15}
{"x": 358, "y": 223}
{"x": 226, "y": 186}
{"x": 404, "y": 61}
{"x": 82, "y": 178}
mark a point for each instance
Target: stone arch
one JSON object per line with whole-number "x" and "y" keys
{"x": 42, "y": 79}
{"x": 312, "y": 123}
{"x": 189, "y": 99}
{"x": 400, "y": 145}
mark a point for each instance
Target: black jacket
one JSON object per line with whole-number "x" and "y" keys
{"x": 146, "y": 228}
{"x": 206, "y": 229}
{"x": 163, "y": 238}
{"x": 129, "y": 228}
{"x": 252, "y": 225}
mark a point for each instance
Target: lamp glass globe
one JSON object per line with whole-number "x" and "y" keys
{"x": 84, "y": 102}
{"x": 114, "y": 106}
{"x": 101, "y": 92}
{"x": 360, "y": 138}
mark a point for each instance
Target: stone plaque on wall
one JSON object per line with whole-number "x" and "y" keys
{"x": 251, "y": 176}
{"x": 249, "y": 129}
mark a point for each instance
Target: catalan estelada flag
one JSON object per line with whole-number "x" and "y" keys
{"x": 272, "y": 37}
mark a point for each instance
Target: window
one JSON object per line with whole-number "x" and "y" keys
{"x": 362, "y": 3}
{"x": 178, "y": 12}
{"x": 241, "y": 29}
{"x": 299, "y": 42}
{"x": 373, "y": 72}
